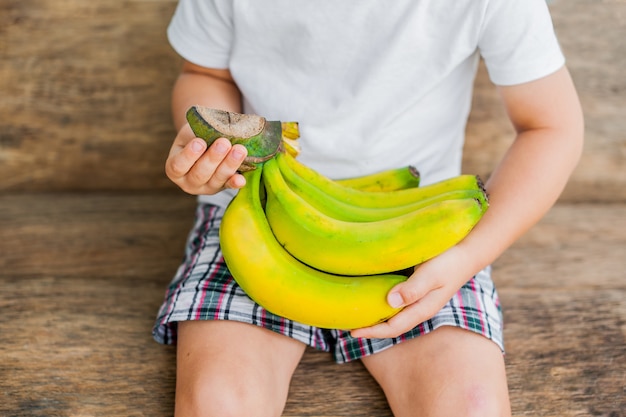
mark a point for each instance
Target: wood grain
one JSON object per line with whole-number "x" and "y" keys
{"x": 85, "y": 92}
{"x": 85, "y": 89}
{"x": 91, "y": 231}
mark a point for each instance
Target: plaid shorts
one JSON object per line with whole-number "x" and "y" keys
{"x": 203, "y": 289}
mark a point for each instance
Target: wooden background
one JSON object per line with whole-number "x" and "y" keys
{"x": 91, "y": 231}
{"x": 85, "y": 88}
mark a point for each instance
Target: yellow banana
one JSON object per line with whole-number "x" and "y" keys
{"x": 342, "y": 210}
{"x": 285, "y": 286}
{"x": 351, "y": 248}
{"x": 388, "y": 180}
{"x": 379, "y": 199}
{"x": 291, "y": 134}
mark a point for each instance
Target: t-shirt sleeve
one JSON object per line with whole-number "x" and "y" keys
{"x": 201, "y": 31}
{"x": 518, "y": 42}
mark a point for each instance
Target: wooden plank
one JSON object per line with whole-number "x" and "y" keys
{"x": 574, "y": 247}
{"x": 566, "y": 351}
{"x": 85, "y": 94}
{"x": 82, "y": 347}
{"x": 86, "y": 86}
{"x": 82, "y": 275}
{"x": 91, "y": 235}
{"x": 320, "y": 387}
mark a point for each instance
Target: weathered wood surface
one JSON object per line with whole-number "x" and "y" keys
{"x": 85, "y": 86}
{"x": 84, "y": 107}
{"x": 82, "y": 275}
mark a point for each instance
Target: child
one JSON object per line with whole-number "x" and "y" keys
{"x": 374, "y": 85}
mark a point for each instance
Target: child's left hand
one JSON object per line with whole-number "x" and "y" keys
{"x": 429, "y": 288}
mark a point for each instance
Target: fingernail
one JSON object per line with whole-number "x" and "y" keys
{"x": 239, "y": 182}
{"x": 395, "y": 300}
{"x": 220, "y": 148}
{"x": 197, "y": 146}
{"x": 238, "y": 153}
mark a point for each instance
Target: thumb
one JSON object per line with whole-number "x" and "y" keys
{"x": 408, "y": 292}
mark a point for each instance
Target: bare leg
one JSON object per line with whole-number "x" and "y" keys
{"x": 449, "y": 372}
{"x": 226, "y": 368}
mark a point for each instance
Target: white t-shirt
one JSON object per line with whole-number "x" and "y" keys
{"x": 374, "y": 84}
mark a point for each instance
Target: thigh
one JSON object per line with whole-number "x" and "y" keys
{"x": 448, "y": 372}
{"x": 232, "y": 368}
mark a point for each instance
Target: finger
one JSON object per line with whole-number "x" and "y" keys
{"x": 412, "y": 290}
{"x": 226, "y": 173}
{"x": 206, "y": 166}
{"x": 182, "y": 159}
{"x": 236, "y": 181}
{"x": 407, "y": 319}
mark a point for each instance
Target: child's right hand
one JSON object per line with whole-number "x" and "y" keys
{"x": 198, "y": 170}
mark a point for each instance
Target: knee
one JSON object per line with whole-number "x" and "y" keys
{"x": 462, "y": 400}
{"x": 478, "y": 401}
{"x": 225, "y": 399}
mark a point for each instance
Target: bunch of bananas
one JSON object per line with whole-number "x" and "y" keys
{"x": 326, "y": 252}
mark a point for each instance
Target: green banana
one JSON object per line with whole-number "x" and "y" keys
{"x": 351, "y": 248}
{"x": 380, "y": 199}
{"x": 285, "y": 286}
{"x": 342, "y": 210}
{"x": 387, "y": 180}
